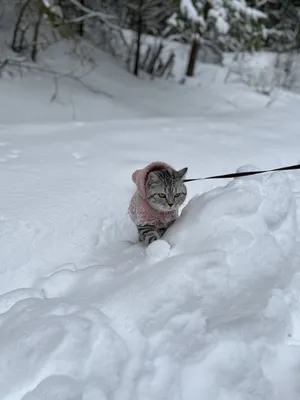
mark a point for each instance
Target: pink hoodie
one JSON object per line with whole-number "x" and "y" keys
{"x": 140, "y": 211}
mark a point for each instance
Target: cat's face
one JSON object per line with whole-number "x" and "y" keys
{"x": 165, "y": 189}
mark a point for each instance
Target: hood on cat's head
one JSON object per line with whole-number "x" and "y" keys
{"x": 139, "y": 176}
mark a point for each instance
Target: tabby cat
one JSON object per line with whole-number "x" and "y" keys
{"x": 165, "y": 192}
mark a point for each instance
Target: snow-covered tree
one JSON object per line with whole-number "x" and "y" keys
{"x": 284, "y": 24}
{"x": 229, "y": 23}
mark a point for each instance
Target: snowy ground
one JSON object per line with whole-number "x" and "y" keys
{"x": 85, "y": 313}
{"x": 122, "y": 95}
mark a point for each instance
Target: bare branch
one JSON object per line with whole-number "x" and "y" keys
{"x": 54, "y": 96}
{"x": 2, "y": 66}
{"x": 69, "y": 75}
{"x": 91, "y": 13}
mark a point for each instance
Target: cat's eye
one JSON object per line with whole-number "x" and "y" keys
{"x": 162, "y": 195}
{"x": 177, "y": 194}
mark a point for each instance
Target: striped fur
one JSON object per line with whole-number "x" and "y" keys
{"x": 147, "y": 234}
{"x": 150, "y": 233}
{"x": 165, "y": 193}
{"x": 165, "y": 189}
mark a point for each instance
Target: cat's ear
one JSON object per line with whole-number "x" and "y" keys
{"x": 182, "y": 172}
{"x": 152, "y": 178}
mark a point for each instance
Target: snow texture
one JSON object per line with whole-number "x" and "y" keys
{"x": 190, "y": 11}
{"x": 158, "y": 250}
{"x": 204, "y": 308}
{"x": 242, "y": 7}
{"x": 210, "y": 312}
{"x": 222, "y": 12}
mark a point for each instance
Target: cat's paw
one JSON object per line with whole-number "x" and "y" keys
{"x": 158, "y": 250}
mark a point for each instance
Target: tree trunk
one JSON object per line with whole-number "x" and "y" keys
{"x": 18, "y": 26}
{"x": 81, "y": 23}
{"x": 34, "y": 49}
{"x": 155, "y": 57}
{"x": 139, "y": 30}
{"x": 195, "y": 46}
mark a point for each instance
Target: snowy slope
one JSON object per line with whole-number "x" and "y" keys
{"x": 85, "y": 314}
{"x": 104, "y": 90}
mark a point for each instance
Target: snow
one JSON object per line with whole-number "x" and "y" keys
{"x": 222, "y": 25}
{"x": 266, "y": 72}
{"x": 221, "y": 11}
{"x": 242, "y": 7}
{"x": 189, "y": 10}
{"x": 86, "y": 312}
{"x": 220, "y": 14}
{"x": 158, "y": 250}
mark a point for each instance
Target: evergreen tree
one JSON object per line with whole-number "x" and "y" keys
{"x": 231, "y": 24}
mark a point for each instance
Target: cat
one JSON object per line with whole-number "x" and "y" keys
{"x": 154, "y": 207}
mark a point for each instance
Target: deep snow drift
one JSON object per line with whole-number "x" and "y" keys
{"x": 205, "y": 322}
{"x": 86, "y": 313}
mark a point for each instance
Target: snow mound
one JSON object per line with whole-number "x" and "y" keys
{"x": 216, "y": 297}
{"x": 158, "y": 250}
{"x": 246, "y": 237}
{"x": 229, "y": 249}
{"x": 199, "y": 315}
{"x": 48, "y": 345}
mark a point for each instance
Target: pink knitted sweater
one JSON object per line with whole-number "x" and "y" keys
{"x": 140, "y": 211}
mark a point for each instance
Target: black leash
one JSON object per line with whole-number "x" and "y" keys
{"x": 241, "y": 174}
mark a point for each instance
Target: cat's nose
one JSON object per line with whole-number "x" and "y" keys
{"x": 171, "y": 204}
